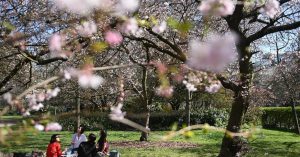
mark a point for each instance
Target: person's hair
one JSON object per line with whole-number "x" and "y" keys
{"x": 102, "y": 139}
{"x": 81, "y": 130}
{"x": 92, "y": 137}
{"x": 53, "y": 138}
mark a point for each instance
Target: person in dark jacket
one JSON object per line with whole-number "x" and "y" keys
{"x": 88, "y": 149}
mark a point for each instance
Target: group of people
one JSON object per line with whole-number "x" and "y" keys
{"x": 85, "y": 147}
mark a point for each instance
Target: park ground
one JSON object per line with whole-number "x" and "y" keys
{"x": 264, "y": 143}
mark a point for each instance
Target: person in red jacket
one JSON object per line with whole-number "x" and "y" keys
{"x": 53, "y": 149}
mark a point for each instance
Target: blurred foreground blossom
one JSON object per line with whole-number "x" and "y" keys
{"x": 127, "y": 6}
{"x": 39, "y": 127}
{"x": 81, "y": 7}
{"x": 160, "y": 28}
{"x": 271, "y": 8}
{"x": 56, "y": 43}
{"x": 217, "y": 7}
{"x": 131, "y": 27}
{"x": 113, "y": 38}
{"x": 213, "y": 55}
{"x": 213, "y": 88}
{"x": 116, "y": 112}
{"x": 51, "y": 93}
{"x": 165, "y": 91}
{"x": 87, "y": 29}
{"x": 53, "y": 127}
{"x": 8, "y": 98}
{"x": 85, "y": 76}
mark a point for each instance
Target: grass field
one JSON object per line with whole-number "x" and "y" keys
{"x": 267, "y": 143}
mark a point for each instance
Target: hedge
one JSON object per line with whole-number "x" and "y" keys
{"x": 280, "y": 118}
{"x": 158, "y": 121}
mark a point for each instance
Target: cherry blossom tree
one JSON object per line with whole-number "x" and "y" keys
{"x": 205, "y": 35}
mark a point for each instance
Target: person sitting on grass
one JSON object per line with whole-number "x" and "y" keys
{"x": 53, "y": 149}
{"x": 103, "y": 146}
{"x": 88, "y": 149}
{"x": 77, "y": 138}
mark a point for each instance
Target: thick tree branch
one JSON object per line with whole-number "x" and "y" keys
{"x": 227, "y": 84}
{"x": 273, "y": 29}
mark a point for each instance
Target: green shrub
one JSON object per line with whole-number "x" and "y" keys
{"x": 278, "y": 118}
{"x": 158, "y": 120}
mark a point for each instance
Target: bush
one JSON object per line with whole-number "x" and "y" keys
{"x": 278, "y": 118}
{"x": 158, "y": 120}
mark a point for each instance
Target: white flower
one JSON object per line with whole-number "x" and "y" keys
{"x": 213, "y": 88}
{"x": 217, "y": 7}
{"x": 52, "y": 93}
{"x": 189, "y": 86}
{"x": 271, "y": 8}
{"x": 39, "y": 127}
{"x": 26, "y": 113}
{"x": 53, "y": 127}
{"x": 116, "y": 112}
{"x": 131, "y": 26}
{"x": 160, "y": 28}
{"x": 87, "y": 29}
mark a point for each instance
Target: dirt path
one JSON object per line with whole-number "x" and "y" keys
{"x": 162, "y": 144}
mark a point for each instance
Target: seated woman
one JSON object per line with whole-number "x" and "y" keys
{"x": 103, "y": 146}
{"x": 77, "y": 138}
{"x": 53, "y": 149}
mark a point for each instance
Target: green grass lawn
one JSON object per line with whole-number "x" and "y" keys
{"x": 266, "y": 143}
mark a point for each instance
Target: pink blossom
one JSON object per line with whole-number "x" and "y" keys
{"x": 271, "y": 8}
{"x": 56, "y": 43}
{"x": 41, "y": 97}
{"x": 162, "y": 68}
{"x": 217, "y": 7}
{"x": 213, "y": 55}
{"x": 53, "y": 127}
{"x": 213, "y": 88}
{"x": 160, "y": 28}
{"x": 81, "y": 7}
{"x": 113, "y": 38}
{"x": 87, "y": 29}
{"x": 116, "y": 112}
{"x": 165, "y": 91}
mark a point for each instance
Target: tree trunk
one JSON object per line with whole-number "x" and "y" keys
{"x": 144, "y": 135}
{"x": 78, "y": 107}
{"x": 234, "y": 146}
{"x": 188, "y": 108}
{"x": 231, "y": 146}
{"x": 297, "y": 128}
